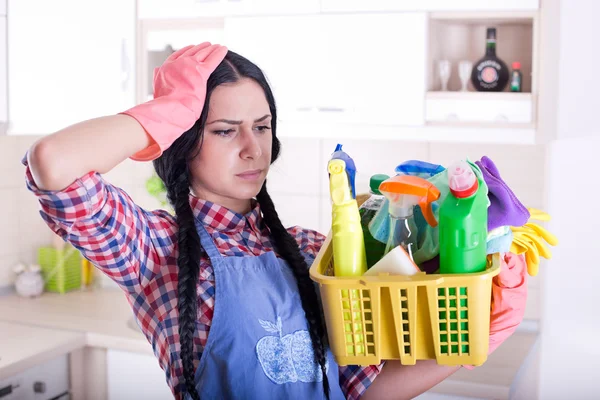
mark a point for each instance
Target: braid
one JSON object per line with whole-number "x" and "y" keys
{"x": 190, "y": 251}
{"x": 288, "y": 248}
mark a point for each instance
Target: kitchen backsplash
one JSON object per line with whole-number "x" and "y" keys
{"x": 297, "y": 183}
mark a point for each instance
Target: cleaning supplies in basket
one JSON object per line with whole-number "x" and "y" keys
{"x": 463, "y": 222}
{"x": 348, "y": 243}
{"x": 373, "y": 247}
{"x": 403, "y": 193}
{"x": 347, "y": 238}
{"x": 527, "y": 240}
{"x": 396, "y": 262}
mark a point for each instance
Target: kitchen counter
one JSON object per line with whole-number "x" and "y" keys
{"x": 57, "y": 324}
{"x": 24, "y": 346}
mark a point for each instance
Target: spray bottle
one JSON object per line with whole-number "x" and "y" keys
{"x": 373, "y": 247}
{"x": 348, "y": 244}
{"x": 339, "y": 154}
{"x": 349, "y": 257}
{"x": 404, "y": 192}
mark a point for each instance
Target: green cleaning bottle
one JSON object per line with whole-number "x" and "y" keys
{"x": 374, "y": 248}
{"x": 463, "y": 223}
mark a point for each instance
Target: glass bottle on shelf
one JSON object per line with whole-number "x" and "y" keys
{"x": 490, "y": 74}
{"x": 516, "y": 78}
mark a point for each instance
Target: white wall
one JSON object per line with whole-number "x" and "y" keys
{"x": 22, "y": 230}
{"x": 570, "y": 328}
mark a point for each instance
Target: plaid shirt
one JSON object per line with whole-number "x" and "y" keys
{"x": 138, "y": 250}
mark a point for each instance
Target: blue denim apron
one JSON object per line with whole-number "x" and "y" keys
{"x": 258, "y": 346}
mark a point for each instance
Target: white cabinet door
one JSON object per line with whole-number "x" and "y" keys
{"x": 428, "y": 5}
{"x": 161, "y": 9}
{"x": 272, "y": 7}
{"x": 3, "y": 77}
{"x": 68, "y": 60}
{"x": 287, "y": 51}
{"x": 48, "y": 380}
{"x": 374, "y": 67}
{"x": 159, "y": 39}
{"x": 339, "y": 68}
{"x": 135, "y": 376}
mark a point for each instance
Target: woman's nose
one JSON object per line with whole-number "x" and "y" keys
{"x": 250, "y": 145}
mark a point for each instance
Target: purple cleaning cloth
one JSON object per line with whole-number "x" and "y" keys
{"x": 505, "y": 208}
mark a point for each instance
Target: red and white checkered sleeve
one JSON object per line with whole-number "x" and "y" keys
{"x": 124, "y": 241}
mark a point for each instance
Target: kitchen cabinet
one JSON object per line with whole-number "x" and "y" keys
{"x": 157, "y": 39}
{"x": 135, "y": 376}
{"x": 3, "y": 72}
{"x": 427, "y": 5}
{"x": 160, "y": 9}
{"x": 374, "y": 67}
{"x": 49, "y": 380}
{"x": 68, "y": 61}
{"x": 287, "y": 51}
{"x": 366, "y": 69}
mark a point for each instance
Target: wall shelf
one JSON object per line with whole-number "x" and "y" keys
{"x": 479, "y": 107}
{"x": 461, "y": 36}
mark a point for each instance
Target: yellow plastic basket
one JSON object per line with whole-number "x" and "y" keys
{"x": 406, "y": 318}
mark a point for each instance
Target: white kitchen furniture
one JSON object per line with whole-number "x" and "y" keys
{"x": 135, "y": 376}
{"x": 349, "y": 69}
{"x": 427, "y": 5}
{"x": 3, "y": 69}
{"x": 68, "y": 60}
{"x": 337, "y": 68}
{"x": 160, "y": 9}
{"x": 45, "y": 381}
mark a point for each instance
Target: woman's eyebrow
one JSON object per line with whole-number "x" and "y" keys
{"x": 233, "y": 122}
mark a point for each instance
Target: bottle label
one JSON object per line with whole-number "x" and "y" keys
{"x": 489, "y": 63}
{"x": 489, "y": 75}
{"x": 515, "y": 83}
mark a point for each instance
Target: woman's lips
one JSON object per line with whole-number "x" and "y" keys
{"x": 250, "y": 175}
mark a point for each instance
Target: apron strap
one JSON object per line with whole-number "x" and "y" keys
{"x": 207, "y": 243}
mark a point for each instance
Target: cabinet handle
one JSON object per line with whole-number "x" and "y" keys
{"x": 331, "y": 109}
{"x": 39, "y": 387}
{"x": 452, "y": 117}
{"x": 125, "y": 66}
{"x": 501, "y": 118}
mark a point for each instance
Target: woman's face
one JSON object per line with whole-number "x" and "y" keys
{"x": 235, "y": 151}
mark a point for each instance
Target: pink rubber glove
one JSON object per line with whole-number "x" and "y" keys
{"x": 509, "y": 298}
{"x": 179, "y": 94}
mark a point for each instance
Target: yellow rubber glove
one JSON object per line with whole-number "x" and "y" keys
{"x": 529, "y": 240}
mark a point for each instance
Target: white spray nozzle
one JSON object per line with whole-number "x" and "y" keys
{"x": 461, "y": 179}
{"x": 401, "y": 205}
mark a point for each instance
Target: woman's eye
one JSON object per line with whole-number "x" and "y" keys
{"x": 225, "y": 132}
{"x": 263, "y": 128}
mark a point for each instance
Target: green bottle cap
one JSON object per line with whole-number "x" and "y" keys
{"x": 376, "y": 181}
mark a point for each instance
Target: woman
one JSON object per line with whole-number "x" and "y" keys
{"x": 224, "y": 263}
